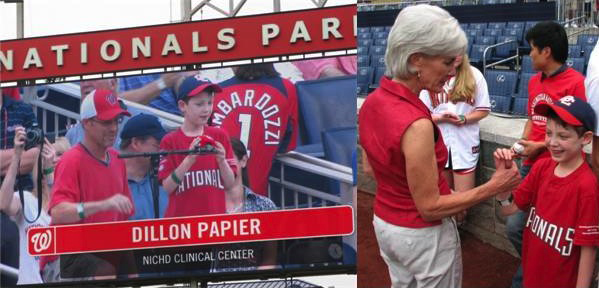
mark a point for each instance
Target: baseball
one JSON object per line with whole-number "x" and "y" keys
{"x": 518, "y": 148}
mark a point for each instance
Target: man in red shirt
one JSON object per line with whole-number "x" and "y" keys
{"x": 91, "y": 185}
{"x": 549, "y": 52}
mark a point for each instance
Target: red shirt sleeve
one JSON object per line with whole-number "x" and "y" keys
{"x": 66, "y": 184}
{"x": 525, "y": 194}
{"x": 293, "y": 115}
{"x": 579, "y": 90}
{"x": 586, "y": 232}
{"x": 167, "y": 163}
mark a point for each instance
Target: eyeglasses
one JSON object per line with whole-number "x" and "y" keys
{"x": 115, "y": 121}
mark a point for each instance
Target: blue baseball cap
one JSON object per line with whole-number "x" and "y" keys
{"x": 571, "y": 110}
{"x": 143, "y": 125}
{"x": 194, "y": 85}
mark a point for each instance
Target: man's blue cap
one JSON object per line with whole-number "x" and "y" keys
{"x": 143, "y": 125}
{"x": 194, "y": 85}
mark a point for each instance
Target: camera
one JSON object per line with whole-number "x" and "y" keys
{"x": 34, "y": 136}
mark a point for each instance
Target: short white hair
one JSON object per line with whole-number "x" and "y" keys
{"x": 423, "y": 29}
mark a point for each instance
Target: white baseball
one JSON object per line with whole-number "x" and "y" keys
{"x": 518, "y": 148}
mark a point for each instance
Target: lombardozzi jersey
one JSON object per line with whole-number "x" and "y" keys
{"x": 262, "y": 113}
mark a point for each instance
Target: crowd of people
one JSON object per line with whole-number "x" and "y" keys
{"x": 420, "y": 134}
{"x": 249, "y": 117}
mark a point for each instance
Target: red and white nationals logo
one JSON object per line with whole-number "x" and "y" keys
{"x": 41, "y": 241}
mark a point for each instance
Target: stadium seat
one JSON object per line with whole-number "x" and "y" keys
{"x": 378, "y": 74}
{"x": 478, "y": 26}
{"x": 485, "y": 40}
{"x": 363, "y": 50}
{"x": 520, "y": 105}
{"x": 377, "y": 29}
{"x": 363, "y": 30}
{"x": 574, "y": 51}
{"x": 464, "y": 26}
{"x": 501, "y": 82}
{"x": 516, "y": 32}
{"x": 363, "y": 60}
{"x": 367, "y": 35}
{"x": 339, "y": 143}
{"x": 586, "y": 39}
{"x": 496, "y": 25}
{"x": 476, "y": 53}
{"x": 362, "y": 88}
{"x": 523, "y": 87}
{"x": 493, "y": 32}
{"x": 380, "y": 42}
{"x": 377, "y": 50}
{"x": 504, "y": 51}
{"x": 473, "y": 33}
{"x": 527, "y": 65}
{"x": 576, "y": 64}
{"x": 490, "y": 2}
{"x": 380, "y": 35}
{"x": 325, "y": 104}
{"x": 365, "y": 42}
{"x": 516, "y": 25}
{"x": 587, "y": 53}
{"x": 364, "y": 76}
{"x": 500, "y": 104}
{"x": 377, "y": 60}
{"x": 387, "y": 28}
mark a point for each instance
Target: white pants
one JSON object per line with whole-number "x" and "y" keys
{"x": 423, "y": 257}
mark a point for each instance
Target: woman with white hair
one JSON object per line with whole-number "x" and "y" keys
{"x": 413, "y": 207}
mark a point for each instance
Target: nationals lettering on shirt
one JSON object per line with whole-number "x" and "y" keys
{"x": 262, "y": 113}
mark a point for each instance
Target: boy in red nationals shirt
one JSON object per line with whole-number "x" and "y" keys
{"x": 196, "y": 184}
{"x": 561, "y": 195}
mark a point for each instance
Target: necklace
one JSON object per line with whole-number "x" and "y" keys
{"x": 236, "y": 209}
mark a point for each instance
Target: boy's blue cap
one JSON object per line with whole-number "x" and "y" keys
{"x": 571, "y": 110}
{"x": 193, "y": 85}
{"x": 143, "y": 125}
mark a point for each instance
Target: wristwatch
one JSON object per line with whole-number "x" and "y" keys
{"x": 80, "y": 210}
{"x": 505, "y": 202}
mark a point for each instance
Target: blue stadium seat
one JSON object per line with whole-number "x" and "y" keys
{"x": 478, "y": 26}
{"x": 485, "y": 40}
{"x": 380, "y": 35}
{"x": 464, "y": 26}
{"x": 363, "y": 60}
{"x": 500, "y": 104}
{"x": 380, "y": 42}
{"x": 516, "y": 32}
{"x": 586, "y": 39}
{"x": 527, "y": 65}
{"x": 530, "y": 24}
{"x": 493, "y": 32}
{"x": 363, "y": 30}
{"x": 496, "y": 25}
{"x": 339, "y": 144}
{"x": 387, "y": 28}
{"x": 363, "y": 50}
{"x": 516, "y": 25}
{"x": 377, "y": 60}
{"x": 362, "y": 88}
{"x": 574, "y": 51}
{"x": 501, "y": 82}
{"x": 504, "y": 51}
{"x": 587, "y": 53}
{"x": 367, "y": 35}
{"x": 378, "y": 74}
{"x": 473, "y": 33}
{"x": 476, "y": 53}
{"x": 576, "y": 64}
{"x": 325, "y": 104}
{"x": 377, "y": 29}
{"x": 365, "y": 42}
{"x": 523, "y": 87}
{"x": 377, "y": 50}
{"x": 365, "y": 75}
{"x": 520, "y": 105}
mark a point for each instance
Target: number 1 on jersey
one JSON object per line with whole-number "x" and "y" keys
{"x": 246, "y": 123}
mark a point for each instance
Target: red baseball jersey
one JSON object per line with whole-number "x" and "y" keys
{"x": 262, "y": 113}
{"x": 381, "y": 131}
{"x": 80, "y": 177}
{"x": 564, "y": 215}
{"x": 201, "y": 191}
{"x": 550, "y": 89}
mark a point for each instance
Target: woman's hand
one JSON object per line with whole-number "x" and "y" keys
{"x": 19, "y": 141}
{"x": 48, "y": 155}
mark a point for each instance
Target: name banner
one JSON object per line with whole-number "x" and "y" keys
{"x": 189, "y": 231}
{"x": 172, "y": 45}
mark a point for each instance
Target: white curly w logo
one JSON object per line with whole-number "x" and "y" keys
{"x": 41, "y": 241}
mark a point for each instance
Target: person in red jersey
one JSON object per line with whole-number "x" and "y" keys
{"x": 196, "y": 184}
{"x": 562, "y": 199}
{"x": 90, "y": 186}
{"x": 258, "y": 107}
{"x": 413, "y": 208}
{"x": 549, "y": 51}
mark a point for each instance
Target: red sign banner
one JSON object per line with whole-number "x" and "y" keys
{"x": 189, "y": 231}
{"x": 239, "y": 38}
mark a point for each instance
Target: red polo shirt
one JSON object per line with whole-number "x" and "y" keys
{"x": 385, "y": 116}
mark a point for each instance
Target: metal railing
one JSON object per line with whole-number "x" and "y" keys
{"x": 9, "y": 271}
{"x": 582, "y": 11}
{"x": 488, "y": 48}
